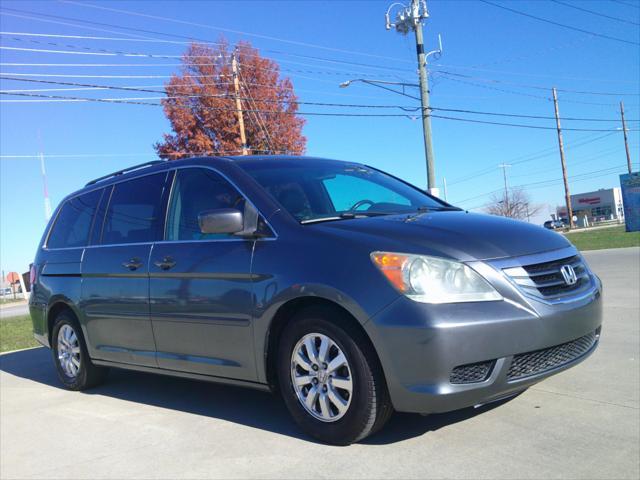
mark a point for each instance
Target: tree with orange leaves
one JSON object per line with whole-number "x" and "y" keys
{"x": 201, "y": 105}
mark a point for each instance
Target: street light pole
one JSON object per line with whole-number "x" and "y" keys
{"x": 410, "y": 18}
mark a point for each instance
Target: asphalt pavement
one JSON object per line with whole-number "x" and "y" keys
{"x": 582, "y": 423}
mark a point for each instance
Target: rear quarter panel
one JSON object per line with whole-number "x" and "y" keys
{"x": 58, "y": 282}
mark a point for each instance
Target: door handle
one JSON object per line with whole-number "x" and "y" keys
{"x": 165, "y": 264}
{"x": 132, "y": 264}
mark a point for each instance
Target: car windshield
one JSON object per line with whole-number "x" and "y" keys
{"x": 333, "y": 191}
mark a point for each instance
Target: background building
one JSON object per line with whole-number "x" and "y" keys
{"x": 598, "y": 206}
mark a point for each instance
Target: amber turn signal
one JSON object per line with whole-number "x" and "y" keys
{"x": 390, "y": 264}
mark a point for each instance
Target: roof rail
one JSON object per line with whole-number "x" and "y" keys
{"x": 125, "y": 170}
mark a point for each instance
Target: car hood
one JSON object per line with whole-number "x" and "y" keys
{"x": 457, "y": 234}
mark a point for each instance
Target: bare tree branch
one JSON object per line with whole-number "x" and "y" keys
{"x": 516, "y": 205}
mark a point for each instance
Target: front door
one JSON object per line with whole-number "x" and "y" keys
{"x": 115, "y": 273}
{"x": 200, "y": 284}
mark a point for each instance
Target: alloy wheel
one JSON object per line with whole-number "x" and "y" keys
{"x": 321, "y": 377}
{"x": 69, "y": 351}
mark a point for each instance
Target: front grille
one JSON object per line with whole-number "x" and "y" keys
{"x": 545, "y": 280}
{"x": 471, "y": 373}
{"x": 540, "y": 361}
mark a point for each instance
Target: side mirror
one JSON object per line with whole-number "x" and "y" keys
{"x": 223, "y": 220}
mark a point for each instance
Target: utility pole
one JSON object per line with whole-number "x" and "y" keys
{"x": 444, "y": 185}
{"x": 236, "y": 86}
{"x": 504, "y": 167}
{"x": 411, "y": 18}
{"x": 567, "y": 196}
{"x": 626, "y": 141}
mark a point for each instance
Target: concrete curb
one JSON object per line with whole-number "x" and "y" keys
{"x": 21, "y": 350}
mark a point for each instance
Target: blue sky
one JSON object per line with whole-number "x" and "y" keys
{"x": 494, "y": 60}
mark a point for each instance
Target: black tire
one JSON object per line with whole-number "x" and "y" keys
{"x": 88, "y": 374}
{"x": 370, "y": 406}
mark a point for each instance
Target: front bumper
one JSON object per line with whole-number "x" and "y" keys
{"x": 419, "y": 345}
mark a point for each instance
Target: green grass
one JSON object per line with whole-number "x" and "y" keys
{"x": 16, "y": 333}
{"x": 614, "y": 237}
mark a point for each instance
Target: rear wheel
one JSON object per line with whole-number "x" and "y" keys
{"x": 70, "y": 356}
{"x": 330, "y": 378}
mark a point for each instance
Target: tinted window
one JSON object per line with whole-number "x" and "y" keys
{"x": 73, "y": 223}
{"x": 134, "y": 214}
{"x": 197, "y": 190}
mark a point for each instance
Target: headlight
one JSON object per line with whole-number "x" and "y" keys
{"x": 432, "y": 279}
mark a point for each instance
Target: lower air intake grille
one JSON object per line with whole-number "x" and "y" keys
{"x": 471, "y": 373}
{"x": 540, "y": 361}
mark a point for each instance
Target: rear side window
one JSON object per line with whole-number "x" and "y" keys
{"x": 195, "y": 191}
{"x": 134, "y": 214}
{"x": 73, "y": 224}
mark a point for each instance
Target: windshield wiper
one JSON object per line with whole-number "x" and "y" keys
{"x": 425, "y": 209}
{"x": 446, "y": 209}
{"x": 345, "y": 216}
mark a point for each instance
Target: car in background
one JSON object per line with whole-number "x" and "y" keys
{"x": 5, "y": 292}
{"x": 554, "y": 224}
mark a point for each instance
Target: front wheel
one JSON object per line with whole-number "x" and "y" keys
{"x": 330, "y": 378}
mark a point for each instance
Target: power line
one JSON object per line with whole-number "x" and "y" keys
{"x": 132, "y": 36}
{"x": 228, "y": 30}
{"x": 42, "y": 90}
{"x": 530, "y": 95}
{"x": 105, "y": 52}
{"x": 191, "y": 38}
{"x": 280, "y": 69}
{"x": 547, "y": 183}
{"x": 541, "y": 75}
{"x": 538, "y": 127}
{"x": 324, "y": 104}
{"x": 130, "y": 155}
{"x": 149, "y": 90}
{"x": 517, "y": 115}
{"x": 165, "y": 65}
{"x": 547, "y": 152}
{"x": 570, "y": 27}
{"x": 581, "y": 161}
{"x": 190, "y": 41}
{"x": 536, "y": 87}
{"x": 68, "y": 75}
{"x": 592, "y": 174}
{"x": 110, "y": 39}
{"x": 593, "y": 12}
{"x": 58, "y": 98}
